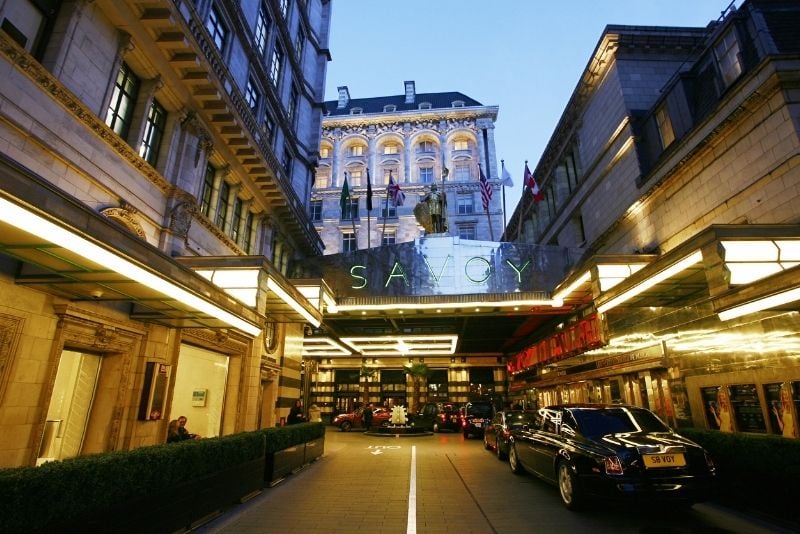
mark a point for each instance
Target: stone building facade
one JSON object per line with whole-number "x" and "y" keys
{"x": 675, "y": 165}
{"x": 414, "y": 137}
{"x": 146, "y": 150}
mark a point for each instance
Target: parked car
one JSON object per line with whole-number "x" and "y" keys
{"x": 438, "y": 416}
{"x": 355, "y": 419}
{"x": 497, "y": 434}
{"x": 594, "y": 451}
{"x": 475, "y": 416}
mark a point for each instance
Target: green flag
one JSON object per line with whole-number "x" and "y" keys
{"x": 344, "y": 201}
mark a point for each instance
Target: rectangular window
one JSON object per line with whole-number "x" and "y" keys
{"x": 216, "y": 28}
{"x": 461, "y": 144}
{"x": 348, "y": 242}
{"x": 24, "y": 22}
{"x": 222, "y": 205}
{"x": 300, "y": 44}
{"x": 322, "y": 181}
{"x": 389, "y": 237}
{"x": 120, "y": 109}
{"x": 462, "y": 173}
{"x": 727, "y": 53}
{"x": 249, "y": 232}
{"x": 269, "y": 127}
{"x": 390, "y": 149}
{"x": 355, "y": 178}
{"x": 262, "y": 29}
{"x": 153, "y": 133}
{"x": 324, "y": 152}
{"x": 236, "y": 219}
{"x": 356, "y": 150}
{"x": 251, "y": 95}
{"x": 426, "y": 175}
{"x": 572, "y": 171}
{"x": 208, "y": 189}
{"x": 664, "y": 126}
{"x": 466, "y": 204}
{"x": 284, "y": 8}
{"x": 294, "y": 99}
{"x": 315, "y": 210}
{"x": 390, "y": 213}
{"x": 466, "y": 231}
{"x": 275, "y": 66}
{"x": 287, "y": 162}
{"x": 425, "y": 147}
{"x": 350, "y": 210}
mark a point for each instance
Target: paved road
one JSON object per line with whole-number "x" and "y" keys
{"x": 442, "y": 484}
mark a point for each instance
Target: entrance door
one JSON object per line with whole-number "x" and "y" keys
{"x": 70, "y": 404}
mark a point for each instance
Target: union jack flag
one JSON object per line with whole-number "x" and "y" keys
{"x": 397, "y": 196}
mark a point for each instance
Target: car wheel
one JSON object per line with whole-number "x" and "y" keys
{"x": 513, "y": 460}
{"x": 346, "y": 426}
{"x": 568, "y": 487}
{"x": 486, "y": 443}
{"x": 499, "y": 450}
{"x": 385, "y": 424}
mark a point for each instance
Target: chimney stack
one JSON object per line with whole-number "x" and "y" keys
{"x": 411, "y": 94}
{"x": 344, "y": 97}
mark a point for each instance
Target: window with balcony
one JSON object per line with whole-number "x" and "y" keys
{"x": 466, "y": 204}
{"x": 426, "y": 175}
{"x": 153, "y": 132}
{"x": 356, "y": 176}
{"x": 426, "y": 147}
{"x": 216, "y": 28}
{"x": 263, "y": 24}
{"x": 727, "y": 54}
{"x": 315, "y": 210}
{"x": 123, "y": 98}
{"x": 322, "y": 180}
{"x": 462, "y": 172}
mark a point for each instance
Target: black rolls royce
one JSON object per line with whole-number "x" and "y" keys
{"x": 593, "y": 451}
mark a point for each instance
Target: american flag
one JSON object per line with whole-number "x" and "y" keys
{"x": 486, "y": 190}
{"x": 397, "y": 196}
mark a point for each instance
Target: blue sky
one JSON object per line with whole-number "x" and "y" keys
{"x": 525, "y": 56}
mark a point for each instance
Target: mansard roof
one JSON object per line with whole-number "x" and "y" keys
{"x": 377, "y": 104}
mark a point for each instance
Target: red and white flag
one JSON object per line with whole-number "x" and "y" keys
{"x": 486, "y": 190}
{"x": 397, "y": 196}
{"x": 530, "y": 183}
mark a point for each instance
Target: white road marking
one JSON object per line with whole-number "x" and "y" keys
{"x": 377, "y": 452}
{"x": 411, "y": 527}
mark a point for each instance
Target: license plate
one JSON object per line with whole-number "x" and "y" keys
{"x": 478, "y": 425}
{"x": 655, "y": 461}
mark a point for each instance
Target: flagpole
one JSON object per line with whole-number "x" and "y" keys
{"x": 502, "y": 175}
{"x": 521, "y": 203}
{"x": 369, "y": 206}
{"x": 489, "y": 200}
{"x": 386, "y": 213}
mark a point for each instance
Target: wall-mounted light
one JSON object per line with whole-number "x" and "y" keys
{"x": 765, "y": 303}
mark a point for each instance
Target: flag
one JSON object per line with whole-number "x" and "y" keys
{"x": 505, "y": 178}
{"x": 530, "y": 183}
{"x": 486, "y": 190}
{"x": 369, "y": 193}
{"x": 397, "y": 196}
{"x": 344, "y": 200}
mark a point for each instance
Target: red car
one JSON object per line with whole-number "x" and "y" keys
{"x": 346, "y": 421}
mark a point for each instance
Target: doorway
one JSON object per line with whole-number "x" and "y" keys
{"x": 70, "y": 406}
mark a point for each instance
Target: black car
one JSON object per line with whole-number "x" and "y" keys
{"x": 476, "y": 415}
{"x": 497, "y": 434}
{"x": 438, "y": 416}
{"x": 597, "y": 451}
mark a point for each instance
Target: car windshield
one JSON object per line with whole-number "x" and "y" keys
{"x": 481, "y": 410}
{"x": 594, "y": 423}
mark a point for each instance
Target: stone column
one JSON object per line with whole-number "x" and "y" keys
{"x": 337, "y": 157}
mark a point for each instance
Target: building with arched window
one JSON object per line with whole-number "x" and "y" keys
{"x": 414, "y": 140}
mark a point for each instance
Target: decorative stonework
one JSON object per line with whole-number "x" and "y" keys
{"x": 10, "y": 332}
{"x": 125, "y": 217}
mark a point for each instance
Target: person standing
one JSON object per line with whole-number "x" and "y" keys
{"x": 367, "y": 416}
